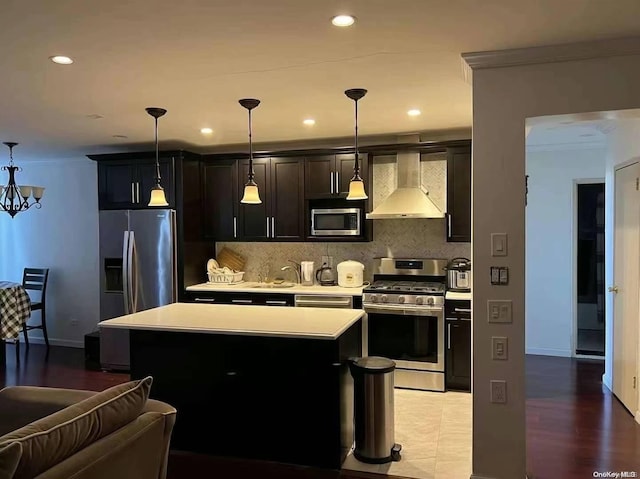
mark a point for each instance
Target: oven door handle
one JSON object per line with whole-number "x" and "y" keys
{"x": 403, "y": 310}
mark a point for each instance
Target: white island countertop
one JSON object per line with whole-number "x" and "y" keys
{"x": 311, "y": 323}
{"x": 250, "y": 287}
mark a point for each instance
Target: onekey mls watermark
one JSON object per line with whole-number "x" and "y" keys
{"x": 615, "y": 474}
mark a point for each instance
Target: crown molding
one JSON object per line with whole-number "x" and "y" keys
{"x": 586, "y": 145}
{"x": 549, "y": 54}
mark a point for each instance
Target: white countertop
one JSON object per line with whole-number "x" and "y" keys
{"x": 457, "y": 295}
{"x": 249, "y": 287}
{"x": 313, "y": 323}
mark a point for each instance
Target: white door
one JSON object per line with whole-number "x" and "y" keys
{"x": 626, "y": 311}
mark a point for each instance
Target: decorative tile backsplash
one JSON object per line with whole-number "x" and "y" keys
{"x": 423, "y": 238}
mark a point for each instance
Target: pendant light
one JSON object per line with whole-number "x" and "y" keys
{"x": 356, "y": 185}
{"x": 158, "y": 197}
{"x": 251, "y": 195}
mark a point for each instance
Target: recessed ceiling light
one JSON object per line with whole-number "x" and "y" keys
{"x": 206, "y": 131}
{"x": 120, "y": 137}
{"x": 309, "y": 121}
{"x": 61, "y": 60}
{"x": 414, "y": 112}
{"x": 94, "y": 116}
{"x": 343, "y": 20}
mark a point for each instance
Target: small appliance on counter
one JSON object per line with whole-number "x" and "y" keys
{"x": 459, "y": 275}
{"x": 350, "y": 274}
{"x": 307, "y": 273}
{"x": 325, "y": 275}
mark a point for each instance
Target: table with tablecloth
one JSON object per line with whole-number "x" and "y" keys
{"x": 15, "y": 309}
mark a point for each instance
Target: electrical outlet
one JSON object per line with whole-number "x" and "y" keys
{"x": 73, "y": 322}
{"x": 498, "y": 391}
{"x": 500, "y": 311}
{"x": 499, "y": 348}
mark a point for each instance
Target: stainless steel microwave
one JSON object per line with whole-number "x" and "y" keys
{"x": 336, "y": 221}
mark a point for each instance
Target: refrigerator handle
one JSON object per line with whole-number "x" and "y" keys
{"x": 130, "y": 273}
{"x": 125, "y": 272}
{"x": 174, "y": 261}
{"x": 133, "y": 271}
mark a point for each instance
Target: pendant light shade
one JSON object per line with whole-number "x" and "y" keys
{"x": 158, "y": 197}
{"x": 251, "y": 195}
{"x": 356, "y": 185}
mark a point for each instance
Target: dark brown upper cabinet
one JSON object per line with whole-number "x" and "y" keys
{"x": 220, "y": 196}
{"x": 459, "y": 194}
{"x": 280, "y": 217}
{"x": 126, "y": 184}
{"x": 329, "y": 176}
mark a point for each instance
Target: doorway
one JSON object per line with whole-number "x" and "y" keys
{"x": 590, "y": 269}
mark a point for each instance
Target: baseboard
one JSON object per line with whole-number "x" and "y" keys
{"x": 606, "y": 380}
{"x": 67, "y": 343}
{"x": 565, "y": 353}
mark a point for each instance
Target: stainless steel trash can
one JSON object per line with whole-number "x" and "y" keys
{"x": 373, "y": 415}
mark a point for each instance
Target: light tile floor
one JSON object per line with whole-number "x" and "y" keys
{"x": 435, "y": 432}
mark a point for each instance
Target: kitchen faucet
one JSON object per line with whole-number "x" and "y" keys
{"x": 295, "y": 268}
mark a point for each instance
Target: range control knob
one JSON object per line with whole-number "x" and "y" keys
{"x": 401, "y": 299}
{"x": 430, "y": 300}
{"x": 419, "y": 300}
{"x": 384, "y": 298}
{"x": 374, "y": 298}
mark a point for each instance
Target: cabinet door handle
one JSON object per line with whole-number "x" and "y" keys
{"x": 277, "y": 303}
{"x": 267, "y": 227}
{"x": 137, "y": 192}
{"x": 133, "y": 192}
{"x": 242, "y": 301}
{"x": 331, "y": 176}
{"x": 273, "y": 226}
{"x": 448, "y": 336}
{"x": 462, "y": 310}
{"x": 449, "y": 225}
{"x": 235, "y": 227}
{"x": 337, "y": 183}
{"x": 205, "y": 300}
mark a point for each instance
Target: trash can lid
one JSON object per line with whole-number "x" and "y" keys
{"x": 374, "y": 364}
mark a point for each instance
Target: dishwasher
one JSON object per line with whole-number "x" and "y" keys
{"x": 322, "y": 301}
{"x": 325, "y": 301}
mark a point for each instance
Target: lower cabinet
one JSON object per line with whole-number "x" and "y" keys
{"x": 458, "y": 346}
{"x": 268, "y": 398}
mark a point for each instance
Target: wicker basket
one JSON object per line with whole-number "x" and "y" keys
{"x": 226, "y": 278}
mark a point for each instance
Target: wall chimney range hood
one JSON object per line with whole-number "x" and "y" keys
{"x": 409, "y": 200}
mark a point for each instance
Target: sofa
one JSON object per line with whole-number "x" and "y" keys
{"x": 50, "y": 433}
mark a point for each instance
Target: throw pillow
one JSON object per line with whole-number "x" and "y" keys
{"x": 50, "y": 440}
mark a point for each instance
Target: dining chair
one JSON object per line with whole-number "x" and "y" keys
{"x": 35, "y": 279}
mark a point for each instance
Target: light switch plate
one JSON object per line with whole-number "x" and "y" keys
{"x": 499, "y": 348}
{"x": 499, "y": 311}
{"x": 499, "y": 246}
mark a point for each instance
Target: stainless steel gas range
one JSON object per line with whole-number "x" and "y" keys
{"x": 405, "y": 319}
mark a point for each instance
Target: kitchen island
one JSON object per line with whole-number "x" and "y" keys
{"x": 258, "y": 382}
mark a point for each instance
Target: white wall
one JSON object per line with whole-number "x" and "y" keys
{"x": 623, "y": 147}
{"x": 61, "y": 236}
{"x": 508, "y": 88}
{"x": 549, "y": 311}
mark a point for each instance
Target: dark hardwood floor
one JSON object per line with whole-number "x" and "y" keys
{"x": 575, "y": 426}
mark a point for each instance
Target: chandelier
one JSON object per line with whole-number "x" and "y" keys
{"x": 14, "y": 198}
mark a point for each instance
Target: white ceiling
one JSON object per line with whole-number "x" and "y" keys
{"x": 198, "y": 57}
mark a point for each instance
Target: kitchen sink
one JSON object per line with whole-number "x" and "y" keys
{"x": 272, "y": 285}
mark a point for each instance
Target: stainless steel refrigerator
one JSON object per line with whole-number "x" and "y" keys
{"x": 138, "y": 272}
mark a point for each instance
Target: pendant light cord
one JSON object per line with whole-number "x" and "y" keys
{"x": 251, "y": 173}
{"x": 157, "y": 156}
{"x": 357, "y": 165}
